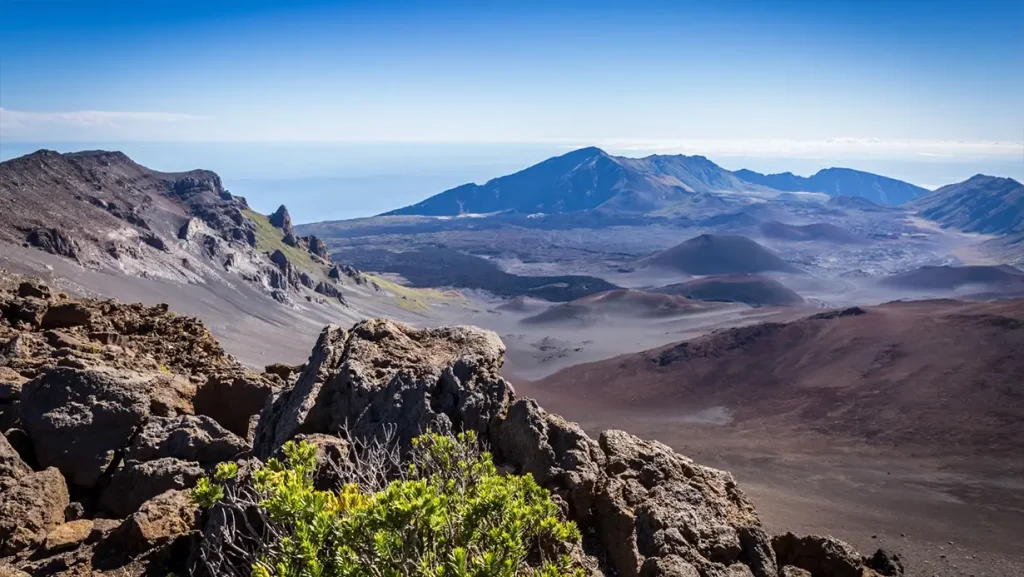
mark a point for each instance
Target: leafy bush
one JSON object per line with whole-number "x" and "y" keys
{"x": 450, "y": 515}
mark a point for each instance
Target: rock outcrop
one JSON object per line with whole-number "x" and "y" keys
{"x": 79, "y": 420}
{"x": 282, "y": 220}
{"x": 30, "y": 508}
{"x": 233, "y": 399}
{"x": 108, "y": 213}
{"x": 329, "y": 290}
{"x": 127, "y": 407}
{"x": 382, "y": 372}
{"x": 54, "y": 241}
{"x": 319, "y": 248}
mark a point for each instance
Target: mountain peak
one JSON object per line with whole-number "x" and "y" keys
{"x": 982, "y": 203}
{"x": 586, "y": 179}
{"x": 584, "y": 153}
{"x": 985, "y": 178}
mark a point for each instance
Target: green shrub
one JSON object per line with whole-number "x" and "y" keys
{"x": 452, "y": 515}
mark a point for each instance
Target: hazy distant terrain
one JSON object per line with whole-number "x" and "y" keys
{"x": 840, "y": 181}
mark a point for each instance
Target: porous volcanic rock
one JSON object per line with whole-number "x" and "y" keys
{"x": 319, "y": 248}
{"x": 78, "y": 420}
{"x": 386, "y": 373}
{"x": 68, "y": 535}
{"x": 821, "y": 556}
{"x": 30, "y": 508}
{"x": 283, "y": 371}
{"x": 185, "y": 437}
{"x": 329, "y": 290}
{"x": 158, "y": 522}
{"x": 139, "y": 481}
{"x": 12, "y": 467}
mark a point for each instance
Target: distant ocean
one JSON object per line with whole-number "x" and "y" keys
{"x": 332, "y": 181}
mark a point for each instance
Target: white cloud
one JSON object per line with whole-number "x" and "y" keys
{"x": 23, "y": 123}
{"x": 821, "y": 148}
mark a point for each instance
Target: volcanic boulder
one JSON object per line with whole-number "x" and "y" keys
{"x": 158, "y": 522}
{"x": 30, "y": 508}
{"x": 185, "y": 437}
{"x": 382, "y": 372}
{"x": 79, "y": 420}
{"x": 329, "y": 290}
{"x": 824, "y": 556}
{"x": 139, "y": 481}
{"x": 318, "y": 248}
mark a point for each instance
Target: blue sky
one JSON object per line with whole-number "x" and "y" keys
{"x": 621, "y": 72}
{"x": 795, "y": 83}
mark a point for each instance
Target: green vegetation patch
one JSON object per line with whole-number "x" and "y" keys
{"x": 270, "y": 238}
{"x": 450, "y": 514}
{"x": 412, "y": 299}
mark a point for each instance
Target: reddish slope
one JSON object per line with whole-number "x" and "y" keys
{"x": 946, "y": 376}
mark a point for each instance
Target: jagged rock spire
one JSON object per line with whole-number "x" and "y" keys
{"x": 282, "y": 220}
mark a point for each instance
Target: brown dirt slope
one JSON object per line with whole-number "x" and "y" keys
{"x": 943, "y": 376}
{"x": 1001, "y": 278}
{"x": 752, "y": 289}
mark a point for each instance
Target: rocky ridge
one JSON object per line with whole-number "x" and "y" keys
{"x": 111, "y": 411}
{"x": 106, "y": 212}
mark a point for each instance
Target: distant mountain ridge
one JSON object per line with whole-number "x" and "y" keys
{"x": 840, "y": 182}
{"x": 585, "y": 179}
{"x": 105, "y": 212}
{"x": 592, "y": 179}
{"x": 985, "y": 204}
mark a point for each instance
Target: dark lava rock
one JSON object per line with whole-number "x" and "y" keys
{"x": 329, "y": 290}
{"x": 34, "y": 289}
{"x": 821, "y": 556}
{"x": 30, "y": 508}
{"x": 54, "y": 241}
{"x": 306, "y": 280}
{"x": 138, "y": 482}
{"x": 187, "y": 437}
{"x": 284, "y": 370}
{"x": 154, "y": 241}
{"x": 282, "y": 220}
{"x": 318, "y": 247}
{"x": 66, "y": 315}
{"x": 79, "y": 420}
{"x": 167, "y": 517}
{"x": 885, "y": 563}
